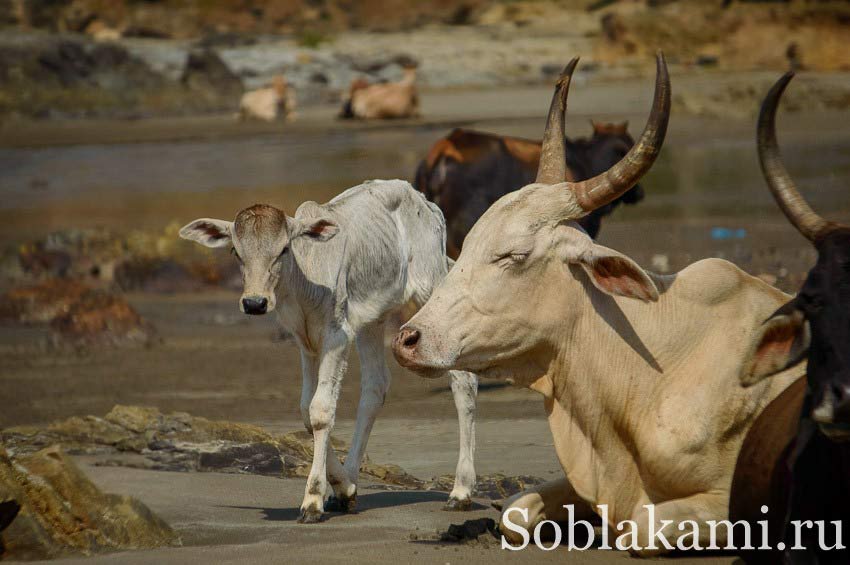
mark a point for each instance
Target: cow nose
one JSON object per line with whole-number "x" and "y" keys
{"x": 404, "y": 344}
{"x": 254, "y": 305}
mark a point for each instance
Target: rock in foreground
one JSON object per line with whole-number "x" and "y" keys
{"x": 145, "y": 438}
{"x": 55, "y": 510}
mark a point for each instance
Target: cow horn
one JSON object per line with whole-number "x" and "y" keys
{"x": 603, "y": 188}
{"x": 796, "y": 209}
{"x": 553, "y": 166}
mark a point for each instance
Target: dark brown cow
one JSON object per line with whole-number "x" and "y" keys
{"x": 467, "y": 171}
{"x": 796, "y": 458}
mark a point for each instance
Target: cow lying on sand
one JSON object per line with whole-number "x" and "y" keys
{"x": 383, "y": 101}
{"x": 796, "y": 458}
{"x": 640, "y": 373}
{"x": 467, "y": 171}
{"x": 334, "y": 273}
{"x": 269, "y": 104}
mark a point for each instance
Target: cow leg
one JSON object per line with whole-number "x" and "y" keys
{"x": 464, "y": 390}
{"x": 374, "y": 383}
{"x": 309, "y": 373}
{"x": 698, "y": 508}
{"x": 332, "y": 365}
{"x": 543, "y": 502}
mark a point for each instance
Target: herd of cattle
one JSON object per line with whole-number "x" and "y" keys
{"x": 378, "y": 101}
{"x": 707, "y": 393}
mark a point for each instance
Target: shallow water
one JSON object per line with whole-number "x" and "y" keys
{"x": 147, "y": 185}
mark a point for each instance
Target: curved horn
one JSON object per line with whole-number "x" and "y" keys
{"x": 778, "y": 180}
{"x": 602, "y": 189}
{"x": 553, "y": 166}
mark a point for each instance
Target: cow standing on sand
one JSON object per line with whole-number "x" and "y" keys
{"x": 640, "y": 373}
{"x": 335, "y": 273}
{"x": 796, "y": 458}
{"x": 383, "y": 101}
{"x": 467, "y": 171}
{"x": 270, "y": 103}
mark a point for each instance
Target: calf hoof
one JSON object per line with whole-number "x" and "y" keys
{"x": 310, "y": 516}
{"x": 341, "y": 504}
{"x": 458, "y": 504}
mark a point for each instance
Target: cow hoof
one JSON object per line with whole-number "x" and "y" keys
{"x": 309, "y": 516}
{"x": 458, "y": 505}
{"x": 341, "y": 504}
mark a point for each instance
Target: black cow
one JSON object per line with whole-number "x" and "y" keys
{"x": 796, "y": 458}
{"x": 467, "y": 171}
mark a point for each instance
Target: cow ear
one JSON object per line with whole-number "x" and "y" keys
{"x": 615, "y": 274}
{"x": 322, "y": 229}
{"x": 780, "y": 342}
{"x": 208, "y": 232}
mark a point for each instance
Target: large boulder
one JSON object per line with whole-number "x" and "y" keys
{"x": 52, "y": 509}
{"x": 79, "y": 316}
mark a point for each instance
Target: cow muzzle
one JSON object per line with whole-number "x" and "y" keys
{"x": 255, "y": 305}
{"x": 408, "y": 351}
{"x": 833, "y": 413}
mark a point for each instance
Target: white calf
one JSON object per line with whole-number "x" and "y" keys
{"x": 335, "y": 273}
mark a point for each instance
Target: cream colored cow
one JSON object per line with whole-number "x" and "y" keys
{"x": 639, "y": 373}
{"x": 388, "y": 100}
{"x": 269, "y": 104}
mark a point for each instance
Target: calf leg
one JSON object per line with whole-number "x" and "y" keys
{"x": 464, "y": 390}
{"x": 332, "y": 364}
{"x": 309, "y": 373}
{"x": 374, "y": 383}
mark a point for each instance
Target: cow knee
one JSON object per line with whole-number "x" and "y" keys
{"x": 321, "y": 414}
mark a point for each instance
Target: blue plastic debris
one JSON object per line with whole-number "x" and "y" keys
{"x": 728, "y": 233}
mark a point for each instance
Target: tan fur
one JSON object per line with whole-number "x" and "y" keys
{"x": 388, "y": 100}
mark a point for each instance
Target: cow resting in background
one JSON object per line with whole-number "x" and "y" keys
{"x": 270, "y": 103}
{"x": 640, "y": 373}
{"x": 334, "y": 273}
{"x": 467, "y": 171}
{"x": 796, "y": 458}
{"x": 383, "y": 101}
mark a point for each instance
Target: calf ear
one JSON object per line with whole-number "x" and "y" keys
{"x": 615, "y": 274}
{"x": 781, "y": 342}
{"x": 322, "y": 229}
{"x": 208, "y": 232}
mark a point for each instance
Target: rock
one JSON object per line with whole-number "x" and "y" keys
{"x": 99, "y": 318}
{"x": 143, "y": 437}
{"x": 206, "y": 75}
{"x": 62, "y": 512}
{"x": 42, "y": 302}
{"x": 480, "y": 531}
{"x": 157, "y": 274}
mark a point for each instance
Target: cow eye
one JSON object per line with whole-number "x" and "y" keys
{"x": 512, "y": 257}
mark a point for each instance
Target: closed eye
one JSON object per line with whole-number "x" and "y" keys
{"x": 511, "y": 257}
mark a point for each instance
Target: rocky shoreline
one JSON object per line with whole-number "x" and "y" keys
{"x": 149, "y": 59}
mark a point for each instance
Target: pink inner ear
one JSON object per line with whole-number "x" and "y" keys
{"x": 617, "y": 276}
{"x": 774, "y": 349}
{"x": 211, "y": 231}
{"x": 320, "y": 228}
